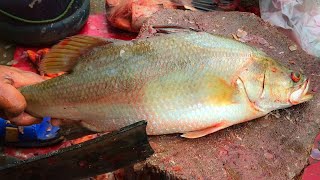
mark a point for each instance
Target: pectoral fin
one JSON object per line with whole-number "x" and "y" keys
{"x": 206, "y": 131}
{"x": 64, "y": 56}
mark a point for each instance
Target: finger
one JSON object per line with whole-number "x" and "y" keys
{"x": 12, "y": 101}
{"x": 59, "y": 122}
{"x": 19, "y": 77}
{"x": 24, "y": 119}
{"x": 24, "y": 78}
{"x": 56, "y": 122}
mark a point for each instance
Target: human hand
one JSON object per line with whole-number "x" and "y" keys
{"x": 12, "y": 102}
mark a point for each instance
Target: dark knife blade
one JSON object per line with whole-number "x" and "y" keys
{"x": 103, "y": 154}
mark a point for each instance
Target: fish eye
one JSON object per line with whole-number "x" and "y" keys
{"x": 295, "y": 76}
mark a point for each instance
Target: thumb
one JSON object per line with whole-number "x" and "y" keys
{"x": 24, "y": 119}
{"x": 12, "y": 101}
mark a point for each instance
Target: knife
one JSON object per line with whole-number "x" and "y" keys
{"x": 102, "y": 154}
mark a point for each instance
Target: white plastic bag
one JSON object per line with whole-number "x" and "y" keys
{"x": 301, "y": 16}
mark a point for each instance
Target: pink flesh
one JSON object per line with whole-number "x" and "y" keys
{"x": 26, "y": 153}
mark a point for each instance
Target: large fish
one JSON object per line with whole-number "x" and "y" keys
{"x": 193, "y": 83}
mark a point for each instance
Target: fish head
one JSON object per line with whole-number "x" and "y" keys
{"x": 273, "y": 86}
{"x": 286, "y": 86}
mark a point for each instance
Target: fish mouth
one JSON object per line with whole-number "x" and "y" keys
{"x": 301, "y": 95}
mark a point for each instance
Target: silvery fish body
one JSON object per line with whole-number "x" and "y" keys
{"x": 193, "y": 83}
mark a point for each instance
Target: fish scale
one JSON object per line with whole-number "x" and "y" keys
{"x": 192, "y": 83}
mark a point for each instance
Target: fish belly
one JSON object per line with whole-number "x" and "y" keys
{"x": 163, "y": 118}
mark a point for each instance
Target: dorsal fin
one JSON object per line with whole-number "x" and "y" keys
{"x": 64, "y": 56}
